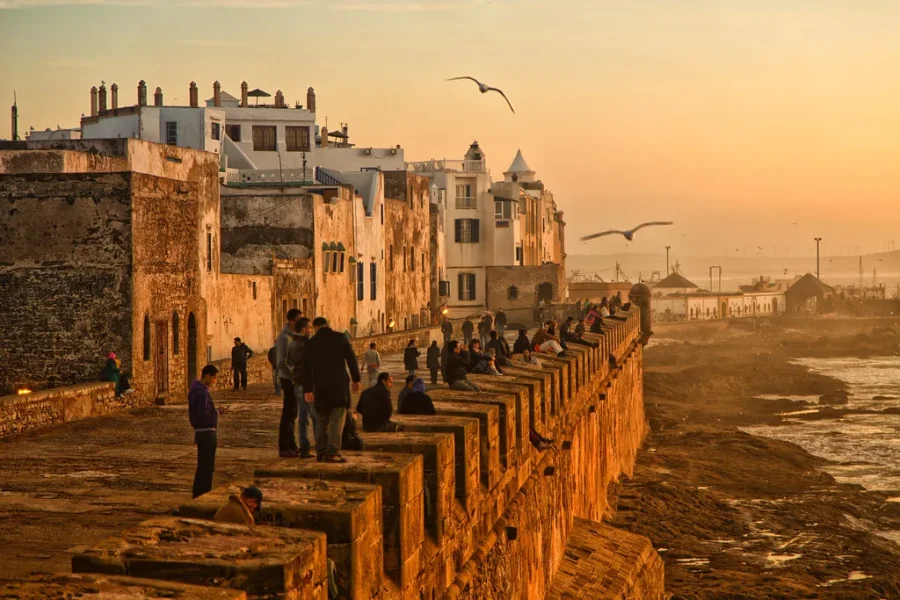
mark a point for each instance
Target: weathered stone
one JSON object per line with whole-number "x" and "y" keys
{"x": 110, "y": 587}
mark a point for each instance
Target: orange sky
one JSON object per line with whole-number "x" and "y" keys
{"x": 732, "y": 118}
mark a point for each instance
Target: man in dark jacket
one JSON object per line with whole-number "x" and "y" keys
{"x": 375, "y": 405}
{"x": 287, "y": 439}
{"x": 522, "y": 342}
{"x": 468, "y": 329}
{"x": 447, "y": 329}
{"x": 500, "y": 322}
{"x": 457, "y": 361}
{"x": 433, "y": 361}
{"x": 411, "y": 358}
{"x": 417, "y": 402}
{"x": 501, "y": 350}
{"x": 295, "y": 359}
{"x": 487, "y": 324}
{"x": 239, "y": 355}
{"x": 204, "y": 419}
{"x": 327, "y": 357}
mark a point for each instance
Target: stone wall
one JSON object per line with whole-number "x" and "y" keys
{"x": 519, "y": 306}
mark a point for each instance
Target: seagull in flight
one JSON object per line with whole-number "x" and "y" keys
{"x": 629, "y": 235}
{"x": 485, "y": 88}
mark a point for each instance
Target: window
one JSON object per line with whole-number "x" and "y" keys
{"x": 209, "y": 249}
{"x": 513, "y": 293}
{"x": 209, "y": 354}
{"x": 326, "y": 260}
{"x": 466, "y": 286}
{"x": 464, "y": 196}
{"x": 404, "y": 259}
{"x": 296, "y": 139}
{"x": 444, "y": 288}
{"x": 172, "y": 133}
{"x": 234, "y": 132}
{"x": 423, "y": 262}
{"x": 334, "y": 262}
{"x": 467, "y": 231}
{"x": 342, "y": 262}
{"x": 146, "y": 337}
{"x": 264, "y": 138}
{"x": 391, "y": 258}
{"x": 253, "y": 286}
{"x": 502, "y": 210}
{"x": 176, "y": 333}
{"x": 519, "y": 254}
{"x": 412, "y": 260}
{"x": 360, "y": 284}
{"x": 501, "y": 224}
{"x": 374, "y": 274}
{"x": 382, "y": 214}
{"x": 215, "y": 130}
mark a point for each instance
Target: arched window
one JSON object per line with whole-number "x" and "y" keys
{"x": 176, "y": 333}
{"x": 146, "y": 337}
{"x": 513, "y": 292}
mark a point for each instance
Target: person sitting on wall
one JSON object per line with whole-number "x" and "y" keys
{"x": 375, "y": 405}
{"x": 477, "y": 355}
{"x": 539, "y": 337}
{"x": 501, "y": 350}
{"x": 417, "y": 402}
{"x": 243, "y": 509}
{"x": 530, "y": 359}
{"x": 112, "y": 371}
{"x": 486, "y": 364}
{"x": 522, "y": 342}
{"x": 572, "y": 336}
{"x": 549, "y": 343}
{"x": 407, "y": 389}
{"x": 457, "y": 360}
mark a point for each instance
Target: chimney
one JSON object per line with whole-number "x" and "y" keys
{"x": 158, "y": 97}
{"x": 15, "y": 122}
{"x": 102, "y": 98}
{"x": 114, "y": 100}
{"x": 279, "y": 99}
{"x": 244, "y": 88}
{"x": 94, "y": 101}
{"x": 324, "y": 137}
{"x": 192, "y": 93}
{"x": 217, "y": 94}
{"x": 142, "y": 93}
{"x": 311, "y": 100}
{"x": 345, "y": 129}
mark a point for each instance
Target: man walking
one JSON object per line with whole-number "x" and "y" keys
{"x": 433, "y": 361}
{"x": 372, "y": 362}
{"x": 204, "y": 417}
{"x": 411, "y": 358}
{"x": 447, "y": 330}
{"x": 500, "y": 321}
{"x": 296, "y": 358}
{"x": 328, "y": 356}
{"x": 239, "y": 355}
{"x": 287, "y": 441}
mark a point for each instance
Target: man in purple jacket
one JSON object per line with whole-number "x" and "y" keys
{"x": 204, "y": 418}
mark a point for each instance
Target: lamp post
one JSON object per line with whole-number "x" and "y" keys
{"x": 667, "y": 260}
{"x": 818, "y": 239}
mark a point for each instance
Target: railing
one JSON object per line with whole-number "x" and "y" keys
{"x": 323, "y": 177}
{"x": 466, "y": 202}
{"x": 266, "y": 177}
{"x": 459, "y": 166}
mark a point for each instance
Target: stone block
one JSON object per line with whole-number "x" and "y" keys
{"x": 403, "y": 505}
{"x": 493, "y": 440}
{"x": 538, "y": 382}
{"x": 439, "y": 469}
{"x": 265, "y": 562}
{"x": 349, "y": 514}
{"x": 110, "y": 587}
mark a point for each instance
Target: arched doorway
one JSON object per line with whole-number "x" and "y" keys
{"x": 724, "y": 310}
{"x": 545, "y": 292}
{"x": 192, "y": 349}
{"x": 774, "y": 305}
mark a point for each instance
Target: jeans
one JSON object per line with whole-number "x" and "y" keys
{"x": 434, "y": 374}
{"x": 305, "y": 409}
{"x": 550, "y": 345}
{"x": 464, "y": 385}
{"x": 206, "y": 462}
{"x": 329, "y": 427}
{"x": 412, "y": 372}
{"x": 467, "y": 338}
{"x": 240, "y": 376}
{"x": 501, "y": 331}
{"x": 277, "y": 381}
{"x": 286, "y": 438}
{"x": 373, "y": 376}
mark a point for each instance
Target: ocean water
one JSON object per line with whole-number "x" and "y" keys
{"x": 864, "y": 448}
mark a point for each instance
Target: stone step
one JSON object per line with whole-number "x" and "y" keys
{"x": 265, "y": 562}
{"x": 45, "y": 587}
{"x": 403, "y": 504}
{"x": 349, "y": 514}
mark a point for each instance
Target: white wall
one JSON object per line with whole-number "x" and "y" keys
{"x": 355, "y": 159}
{"x": 461, "y": 308}
{"x": 120, "y": 126}
{"x": 194, "y": 126}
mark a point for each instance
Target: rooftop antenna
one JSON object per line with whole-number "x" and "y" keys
{"x": 15, "y": 118}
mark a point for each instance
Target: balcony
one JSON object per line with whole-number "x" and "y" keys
{"x": 466, "y": 202}
{"x": 450, "y": 166}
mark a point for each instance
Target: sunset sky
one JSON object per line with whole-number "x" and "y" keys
{"x": 733, "y": 118}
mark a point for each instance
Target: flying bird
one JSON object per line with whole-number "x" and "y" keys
{"x": 629, "y": 235}
{"x": 485, "y": 88}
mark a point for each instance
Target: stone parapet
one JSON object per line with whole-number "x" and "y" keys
{"x": 26, "y": 412}
{"x": 111, "y": 587}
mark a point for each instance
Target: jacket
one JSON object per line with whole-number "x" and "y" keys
{"x": 467, "y": 327}
{"x": 417, "y": 403}
{"x": 375, "y": 407}
{"x": 235, "y": 512}
{"x": 521, "y": 343}
{"x": 281, "y": 350}
{"x": 240, "y": 354}
{"x": 327, "y": 357}
{"x": 456, "y": 366}
{"x": 201, "y": 410}
{"x": 447, "y": 328}
{"x": 501, "y": 349}
{"x": 296, "y": 352}
{"x": 433, "y": 358}
{"x": 273, "y": 357}
{"x": 488, "y": 323}
{"x": 410, "y": 358}
{"x": 501, "y": 319}
{"x": 539, "y": 338}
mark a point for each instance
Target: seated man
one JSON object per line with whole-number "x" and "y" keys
{"x": 375, "y": 405}
{"x": 241, "y": 509}
{"x": 548, "y": 343}
{"x": 457, "y": 361}
{"x": 501, "y": 350}
{"x": 530, "y": 359}
{"x": 576, "y": 336}
{"x": 401, "y": 397}
{"x": 521, "y": 342}
{"x": 417, "y": 401}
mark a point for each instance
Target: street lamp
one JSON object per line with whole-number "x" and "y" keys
{"x": 667, "y": 260}
{"x": 818, "y": 239}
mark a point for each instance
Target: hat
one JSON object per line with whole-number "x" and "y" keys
{"x": 254, "y": 493}
{"x": 418, "y": 386}
{"x": 111, "y": 355}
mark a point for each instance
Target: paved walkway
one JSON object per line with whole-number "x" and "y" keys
{"x": 67, "y": 487}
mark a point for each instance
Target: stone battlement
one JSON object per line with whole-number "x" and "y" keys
{"x": 458, "y": 505}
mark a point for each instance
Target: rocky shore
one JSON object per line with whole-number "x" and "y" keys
{"x": 740, "y": 516}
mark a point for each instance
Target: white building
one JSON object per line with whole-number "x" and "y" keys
{"x": 54, "y": 134}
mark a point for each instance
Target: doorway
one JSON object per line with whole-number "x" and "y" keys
{"x": 161, "y": 357}
{"x": 545, "y": 292}
{"x": 192, "y": 349}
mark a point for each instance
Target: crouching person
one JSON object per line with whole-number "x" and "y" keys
{"x": 243, "y": 509}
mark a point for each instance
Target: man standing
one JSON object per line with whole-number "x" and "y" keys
{"x": 411, "y": 358}
{"x": 487, "y": 325}
{"x": 204, "y": 417}
{"x": 447, "y": 330}
{"x": 372, "y": 362}
{"x": 325, "y": 382}
{"x": 375, "y": 405}
{"x": 287, "y": 441}
{"x": 433, "y": 361}
{"x": 239, "y": 355}
{"x": 500, "y": 320}
{"x": 296, "y": 356}
{"x": 468, "y": 329}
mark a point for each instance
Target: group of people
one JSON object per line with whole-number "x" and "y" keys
{"x": 488, "y": 323}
